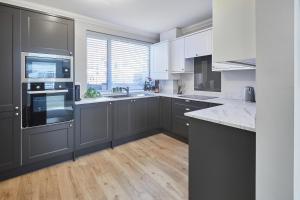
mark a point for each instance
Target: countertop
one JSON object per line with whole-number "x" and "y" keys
{"x": 234, "y": 113}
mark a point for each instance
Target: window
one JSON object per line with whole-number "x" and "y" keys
{"x": 97, "y": 63}
{"x": 116, "y": 62}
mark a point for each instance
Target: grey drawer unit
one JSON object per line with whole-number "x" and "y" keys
{"x": 42, "y": 143}
{"x": 180, "y": 123}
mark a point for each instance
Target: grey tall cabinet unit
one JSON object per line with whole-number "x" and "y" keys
{"x": 10, "y": 121}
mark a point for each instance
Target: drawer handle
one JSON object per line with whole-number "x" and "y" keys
{"x": 187, "y": 109}
{"x": 187, "y": 100}
{"x": 187, "y": 124}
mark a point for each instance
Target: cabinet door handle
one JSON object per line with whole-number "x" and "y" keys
{"x": 16, "y": 114}
{"x": 187, "y": 100}
{"x": 187, "y": 109}
{"x": 71, "y": 125}
{"x": 17, "y": 108}
{"x": 187, "y": 124}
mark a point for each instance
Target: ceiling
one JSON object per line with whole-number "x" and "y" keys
{"x": 153, "y": 16}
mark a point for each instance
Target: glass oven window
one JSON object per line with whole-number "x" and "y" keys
{"x": 37, "y": 67}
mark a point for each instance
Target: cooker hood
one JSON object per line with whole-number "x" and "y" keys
{"x": 236, "y": 64}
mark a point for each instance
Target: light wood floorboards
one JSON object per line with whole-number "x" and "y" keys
{"x": 152, "y": 168}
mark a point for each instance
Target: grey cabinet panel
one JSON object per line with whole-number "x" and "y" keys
{"x": 180, "y": 122}
{"x": 10, "y": 123}
{"x": 180, "y": 127}
{"x": 153, "y": 113}
{"x": 221, "y": 162}
{"x": 41, "y": 143}
{"x": 122, "y": 119}
{"x": 139, "y": 121}
{"x": 9, "y": 142}
{"x": 93, "y": 124}
{"x": 166, "y": 113}
{"x": 42, "y": 33}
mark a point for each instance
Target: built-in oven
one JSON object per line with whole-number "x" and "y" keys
{"x": 37, "y": 67}
{"x": 46, "y": 103}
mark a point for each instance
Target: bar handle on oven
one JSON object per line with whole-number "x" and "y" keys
{"x": 47, "y": 91}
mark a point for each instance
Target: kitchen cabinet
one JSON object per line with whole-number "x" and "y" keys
{"x": 121, "y": 119}
{"x": 42, "y": 33}
{"x": 166, "y": 113}
{"x": 160, "y": 67}
{"x": 180, "y": 123}
{"x": 221, "y": 162}
{"x": 45, "y": 142}
{"x": 153, "y": 113}
{"x": 178, "y": 62}
{"x": 234, "y": 30}
{"x": 198, "y": 44}
{"x": 10, "y": 120}
{"x": 93, "y": 124}
{"x": 139, "y": 121}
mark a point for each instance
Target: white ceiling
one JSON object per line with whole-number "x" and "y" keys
{"x": 154, "y": 16}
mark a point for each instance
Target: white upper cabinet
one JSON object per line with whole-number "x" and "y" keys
{"x": 178, "y": 62}
{"x": 160, "y": 62}
{"x": 234, "y": 30}
{"x": 198, "y": 44}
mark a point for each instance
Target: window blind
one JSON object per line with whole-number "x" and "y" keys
{"x": 97, "y": 63}
{"x": 116, "y": 62}
{"x": 129, "y": 64}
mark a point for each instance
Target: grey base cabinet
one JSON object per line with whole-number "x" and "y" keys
{"x": 93, "y": 124}
{"x": 180, "y": 123}
{"x": 153, "y": 113}
{"x": 166, "y": 113}
{"x": 134, "y": 117}
{"x": 10, "y": 121}
{"x": 139, "y": 115}
{"x": 122, "y": 119}
{"x": 221, "y": 162}
{"x": 45, "y": 142}
{"x": 42, "y": 33}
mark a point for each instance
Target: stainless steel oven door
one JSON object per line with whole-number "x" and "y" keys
{"x": 37, "y": 67}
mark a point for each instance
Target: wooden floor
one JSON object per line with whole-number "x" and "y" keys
{"x": 151, "y": 168}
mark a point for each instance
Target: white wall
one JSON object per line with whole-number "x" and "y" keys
{"x": 297, "y": 103}
{"x": 275, "y": 99}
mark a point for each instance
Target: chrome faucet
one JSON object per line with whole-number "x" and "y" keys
{"x": 126, "y": 89}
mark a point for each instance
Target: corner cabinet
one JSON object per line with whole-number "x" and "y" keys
{"x": 178, "y": 62}
{"x": 47, "y": 34}
{"x": 93, "y": 124}
{"x": 10, "y": 120}
{"x": 160, "y": 68}
{"x": 199, "y": 44}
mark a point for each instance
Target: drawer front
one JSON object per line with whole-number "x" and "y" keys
{"x": 187, "y": 102}
{"x": 181, "y": 106}
{"x": 42, "y": 143}
{"x": 180, "y": 109}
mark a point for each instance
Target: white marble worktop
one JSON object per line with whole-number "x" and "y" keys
{"x": 234, "y": 113}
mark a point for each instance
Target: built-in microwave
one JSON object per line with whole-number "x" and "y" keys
{"x": 36, "y": 67}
